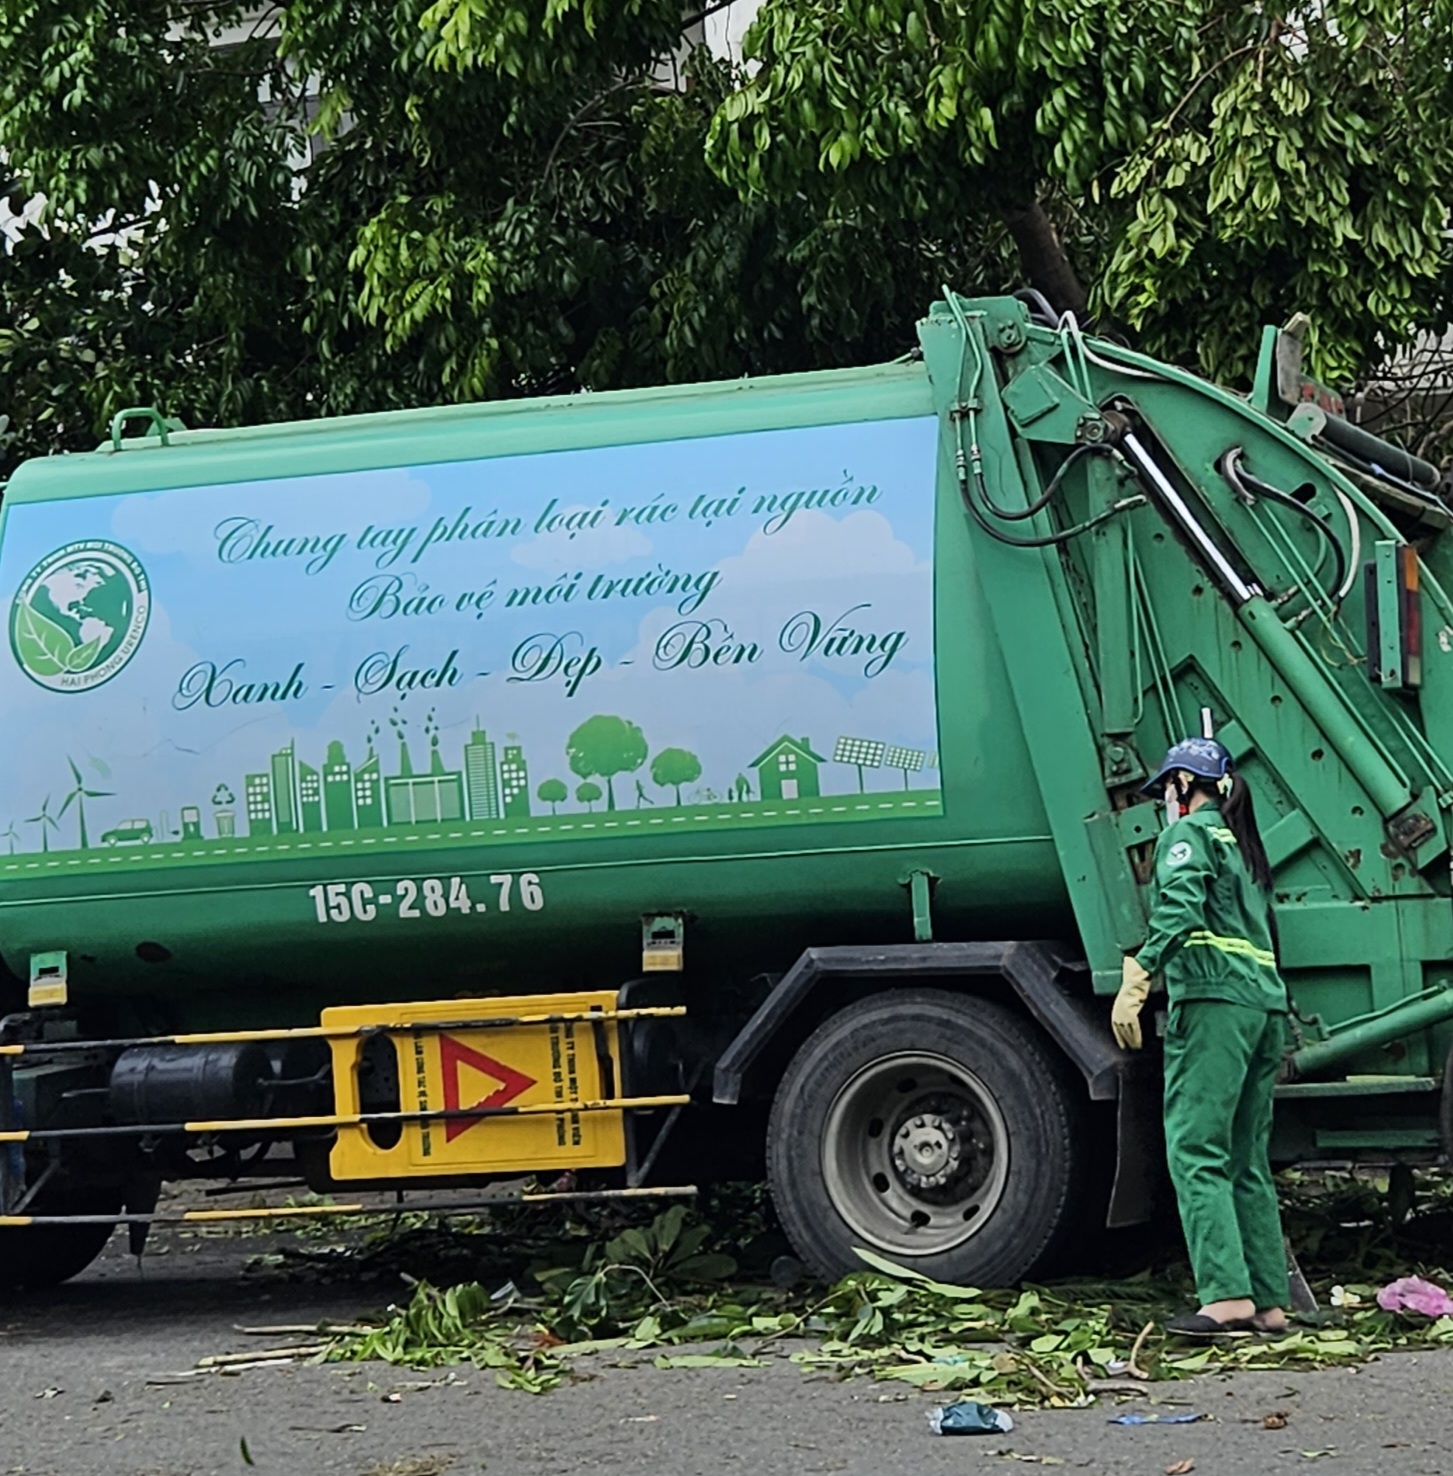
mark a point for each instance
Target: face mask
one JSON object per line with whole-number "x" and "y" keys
{"x": 1172, "y": 802}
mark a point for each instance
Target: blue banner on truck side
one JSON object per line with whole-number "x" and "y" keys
{"x": 682, "y": 636}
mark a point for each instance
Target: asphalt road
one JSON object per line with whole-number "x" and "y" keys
{"x": 89, "y": 1387}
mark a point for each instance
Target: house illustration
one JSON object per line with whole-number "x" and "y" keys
{"x": 788, "y": 770}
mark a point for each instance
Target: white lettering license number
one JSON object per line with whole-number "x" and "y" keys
{"x": 433, "y": 896}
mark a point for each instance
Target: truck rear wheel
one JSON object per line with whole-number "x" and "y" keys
{"x": 933, "y": 1128}
{"x": 46, "y": 1255}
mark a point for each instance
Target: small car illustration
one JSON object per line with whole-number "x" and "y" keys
{"x": 128, "y": 833}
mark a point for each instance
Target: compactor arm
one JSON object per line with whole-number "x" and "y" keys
{"x": 1159, "y": 553}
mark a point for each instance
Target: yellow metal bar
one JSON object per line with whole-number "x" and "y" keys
{"x": 359, "y": 1119}
{"x": 676, "y": 1191}
{"x": 316, "y": 1211}
{"x": 302, "y": 1211}
{"x": 483, "y": 1022}
{"x": 385, "y": 1027}
{"x": 285, "y": 1212}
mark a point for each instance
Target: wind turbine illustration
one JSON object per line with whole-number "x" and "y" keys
{"x": 47, "y": 823}
{"x": 78, "y": 796}
{"x": 11, "y": 835}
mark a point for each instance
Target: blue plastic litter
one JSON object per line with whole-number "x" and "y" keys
{"x": 968, "y": 1417}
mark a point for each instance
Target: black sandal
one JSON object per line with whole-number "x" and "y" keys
{"x": 1197, "y": 1325}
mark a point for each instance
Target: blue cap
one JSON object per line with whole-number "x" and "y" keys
{"x": 1203, "y": 757}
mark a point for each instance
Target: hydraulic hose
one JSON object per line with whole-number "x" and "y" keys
{"x": 1011, "y": 515}
{"x": 1048, "y": 540}
{"x": 1241, "y": 480}
{"x": 1039, "y": 306}
{"x": 969, "y": 463}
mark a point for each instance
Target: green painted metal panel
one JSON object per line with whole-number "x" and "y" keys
{"x": 1374, "y": 1138}
{"x": 1357, "y": 1086}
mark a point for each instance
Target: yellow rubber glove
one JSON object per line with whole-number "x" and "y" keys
{"x": 1125, "y": 1017}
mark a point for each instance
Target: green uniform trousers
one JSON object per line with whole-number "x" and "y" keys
{"x": 1221, "y": 1062}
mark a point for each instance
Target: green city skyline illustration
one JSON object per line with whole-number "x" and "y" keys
{"x": 607, "y": 758}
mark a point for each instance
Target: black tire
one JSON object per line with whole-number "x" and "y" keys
{"x": 905, "y": 1088}
{"x": 46, "y": 1255}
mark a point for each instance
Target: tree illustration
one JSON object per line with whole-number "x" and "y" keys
{"x": 602, "y": 747}
{"x": 553, "y": 793}
{"x": 673, "y": 767}
{"x": 47, "y": 823}
{"x": 78, "y": 795}
{"x": 587, "y": 794}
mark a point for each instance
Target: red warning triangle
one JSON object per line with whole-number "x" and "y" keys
{"x": 452, "y": 1055}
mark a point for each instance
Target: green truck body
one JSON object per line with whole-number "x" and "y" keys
{"x": 263, "y": 666}
{"x": 816, "y": 706}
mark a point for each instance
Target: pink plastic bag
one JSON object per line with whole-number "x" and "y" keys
{"x": 1413, "y": 1294}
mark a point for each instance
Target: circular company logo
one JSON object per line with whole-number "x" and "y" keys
{"x": 79, "y": 616}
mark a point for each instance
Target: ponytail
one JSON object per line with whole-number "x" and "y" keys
{"x": 1239, "y": 814}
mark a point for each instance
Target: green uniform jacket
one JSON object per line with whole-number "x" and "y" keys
{"x": 1209, "y": 934}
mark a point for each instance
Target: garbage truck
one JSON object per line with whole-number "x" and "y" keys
{"x": 603, "y": 795}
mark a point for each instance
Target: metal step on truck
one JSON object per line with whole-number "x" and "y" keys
{"x": 618, "y": 792}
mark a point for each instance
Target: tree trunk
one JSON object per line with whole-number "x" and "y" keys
{"x": 1045, "y": 262}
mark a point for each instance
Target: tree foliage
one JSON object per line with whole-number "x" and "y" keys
{"x": 1228, "y": 164}
{"x": 325, "y": 206}
{"x": 505, "y": 200}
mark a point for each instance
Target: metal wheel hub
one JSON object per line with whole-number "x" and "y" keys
{"x": 915, "y": 1153}
{"x": 926, "y": 1151}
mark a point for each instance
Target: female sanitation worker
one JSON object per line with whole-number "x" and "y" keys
{"x": 1209, "y": 938}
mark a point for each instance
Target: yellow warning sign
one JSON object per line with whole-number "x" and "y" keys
{"x": 472, "y": 1077}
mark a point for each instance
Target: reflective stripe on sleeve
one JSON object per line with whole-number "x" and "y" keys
{"x": 1241, "y": 947}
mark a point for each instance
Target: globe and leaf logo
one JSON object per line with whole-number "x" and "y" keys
{"x": 79, "y": 615}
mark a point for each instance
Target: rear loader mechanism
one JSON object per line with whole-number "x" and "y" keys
{"x": 1270, "y": 568}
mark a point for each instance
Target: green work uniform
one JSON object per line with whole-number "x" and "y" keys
{"x": 1210, "y": 939}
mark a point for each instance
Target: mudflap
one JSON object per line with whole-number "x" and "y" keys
{"x": 1140, "y": 1177}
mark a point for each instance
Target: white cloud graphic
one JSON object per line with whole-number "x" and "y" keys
{"x": 588, "y": 548}
{"x": 815, "y": 545}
